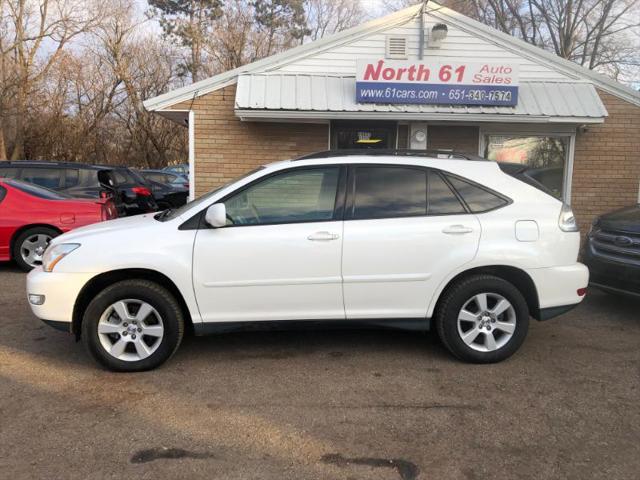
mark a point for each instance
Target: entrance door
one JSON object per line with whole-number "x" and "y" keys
{"x": 363, "y": 135}
{"x": 404, "y": 230}
{"x": 279, "y": 257}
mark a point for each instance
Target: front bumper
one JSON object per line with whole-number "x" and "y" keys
{"x": 558, "y": 287}
{"x": 610, "y": 274}
{"x": 60, "y": 291}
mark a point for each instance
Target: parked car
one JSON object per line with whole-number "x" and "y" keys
{"x": 133, "y": 191}
{"x": 74, "y": 179}
{"x": 182, "y": 169}
{"x": 30, "y": 216}
{"x": 167, "y": 196}
{"x": 167, "y": 178}
{"x": 612, "y": 252}
{"x": 384, "y": 240}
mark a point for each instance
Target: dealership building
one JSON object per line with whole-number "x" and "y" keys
{"x": 420, "y": 80}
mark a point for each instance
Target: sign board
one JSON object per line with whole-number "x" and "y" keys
{"x": 431, "y": 82}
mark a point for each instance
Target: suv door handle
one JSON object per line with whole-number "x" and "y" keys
{"x": 456, "y": 230}
{"x": 323, "y": 236}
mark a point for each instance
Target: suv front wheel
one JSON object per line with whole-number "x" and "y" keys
{"x": 482, "y": 319}
{"x": 132, "y": 325}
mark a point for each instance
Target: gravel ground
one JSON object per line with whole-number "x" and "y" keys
{"x": 325, "y": 405}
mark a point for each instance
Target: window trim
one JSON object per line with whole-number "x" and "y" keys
{"x": 556, "y": 131}
{"x": 338, "y": 207}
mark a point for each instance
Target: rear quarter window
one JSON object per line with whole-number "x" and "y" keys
{"x": 477, "y": 198}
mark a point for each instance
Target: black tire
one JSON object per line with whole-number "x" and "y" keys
{"x": 143, "y": 290}
{"x": 453, "y": 300}
{"x": 16, "y": 253}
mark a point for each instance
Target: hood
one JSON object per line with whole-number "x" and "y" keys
{"x": 625, "y": 220}
{"x": 111, "y": 226}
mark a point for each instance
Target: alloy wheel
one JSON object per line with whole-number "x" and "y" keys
{"x": 130, "y": 330}
{"x": 33, "y": 247}
{"x": 486, "y": 322}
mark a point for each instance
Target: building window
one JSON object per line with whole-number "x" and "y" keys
{"x": 545, "y": 156}
{"x": 363, "y": 135}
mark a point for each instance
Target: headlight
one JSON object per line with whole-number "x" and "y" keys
{"x": 56, "y": 253}
{"x": 567, "y": 221}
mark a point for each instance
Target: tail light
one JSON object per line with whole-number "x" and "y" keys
{"x": 142, "y": 191}
{"x": 567, "y": 221}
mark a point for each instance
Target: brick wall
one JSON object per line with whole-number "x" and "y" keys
{"x": 606, "y": 169}
{"x": 461, "y": 139}
{"x": 227, "y": 147}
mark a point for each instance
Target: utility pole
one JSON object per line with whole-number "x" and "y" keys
{"x": 423, "y": 9}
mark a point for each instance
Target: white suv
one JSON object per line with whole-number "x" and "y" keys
{"x": 397, "y": 241}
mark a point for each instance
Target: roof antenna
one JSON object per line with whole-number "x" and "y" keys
{"x": 422, "y": 10}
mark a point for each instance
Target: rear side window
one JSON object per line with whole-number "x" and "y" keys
{"x": 8, "y": 172}
{"x": 442, "y": 200}
{"x": 72, "y": 178}
{"x": 386, "y": 192}
{"x": 477, "y": 198}
{"x": 3, "y": 192}
{"x": 45, "y": 177}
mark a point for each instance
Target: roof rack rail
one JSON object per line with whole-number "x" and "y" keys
{"x": 397, "y": 152}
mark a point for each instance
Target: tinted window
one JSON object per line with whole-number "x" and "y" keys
{"x": 37, "y": 191}
{"x": 3, "y": 192}
{"x": 123, "y": 177}
{"x": 45, "y": 177}
{"x": 477, "y": 199}
{"x": 442, "y": 200}
{"x": 296, "y": 196}
{"x": 8, "y": 172}
{"x": 389, "y": 192}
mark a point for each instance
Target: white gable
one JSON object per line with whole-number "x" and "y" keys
{"x": 459, "y": 45}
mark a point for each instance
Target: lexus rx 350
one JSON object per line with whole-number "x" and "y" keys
{"x": 400, "y": 241}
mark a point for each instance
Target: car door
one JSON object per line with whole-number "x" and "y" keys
{"x": 404, "y": 231}
{"x": 279, "y": 257}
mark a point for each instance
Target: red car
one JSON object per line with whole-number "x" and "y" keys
{"x": 30, "y": 216}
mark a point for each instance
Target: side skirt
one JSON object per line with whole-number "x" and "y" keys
{"x": 411, "y": 324}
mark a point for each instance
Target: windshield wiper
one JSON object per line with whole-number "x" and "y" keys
{"x": 163, "y": 214}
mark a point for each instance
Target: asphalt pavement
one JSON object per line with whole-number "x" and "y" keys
{"x": 347, "y": 405}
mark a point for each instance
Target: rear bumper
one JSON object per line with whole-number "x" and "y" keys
{"x": 60, "y": 291}
{"x": 558, "y": 287}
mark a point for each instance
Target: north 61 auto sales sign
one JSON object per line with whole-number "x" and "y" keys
{"x": 451, "y": 83}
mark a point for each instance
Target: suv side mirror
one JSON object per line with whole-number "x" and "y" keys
{"x": 216, "y": 215}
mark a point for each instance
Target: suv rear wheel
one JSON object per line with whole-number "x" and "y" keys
{"x": 132, "y": 326}
{"x": 483, "y": 319}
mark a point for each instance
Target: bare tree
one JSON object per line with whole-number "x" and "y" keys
{"x": 325, "y": 17}
{"x": 37, "y": 33}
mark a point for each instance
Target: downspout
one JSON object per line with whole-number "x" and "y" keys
{"x": 422, "y": 10}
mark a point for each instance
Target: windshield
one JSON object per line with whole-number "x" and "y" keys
{"x": 37, "y": 191}
{"x": 171, "y": 214}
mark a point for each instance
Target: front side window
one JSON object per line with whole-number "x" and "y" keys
{"x": 544, "y": 156}
{"x": 386, "y": 192}
{"x": 305, "y": 195}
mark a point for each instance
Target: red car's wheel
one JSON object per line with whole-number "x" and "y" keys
{"x": 30, "y": 245}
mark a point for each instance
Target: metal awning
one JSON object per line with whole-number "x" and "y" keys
{"x": 321, "y": 97}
